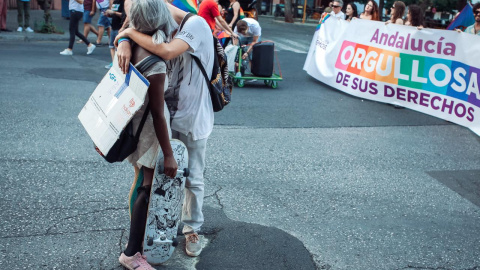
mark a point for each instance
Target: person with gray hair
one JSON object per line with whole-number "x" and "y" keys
{"x": 337, "y": 10}
{"x": 150, "y": 17}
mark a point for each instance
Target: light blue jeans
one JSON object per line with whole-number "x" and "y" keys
{"x": 243, "y": 40}
{"x": 192, "y": 214}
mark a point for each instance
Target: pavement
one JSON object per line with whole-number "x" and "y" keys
{"x": 36, "y": 18}
{"x": 89, "y": 230}
{"x": 298, "y": 177}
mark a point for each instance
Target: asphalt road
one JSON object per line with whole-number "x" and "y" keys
{"x": 298, "y": 177}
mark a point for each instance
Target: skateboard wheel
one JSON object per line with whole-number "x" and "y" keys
{"x": 186, "y": 172}
{"x": 174, "y": 242}
{"x": 149, "y": 241}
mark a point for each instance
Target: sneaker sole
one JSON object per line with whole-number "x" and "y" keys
{"x": 193, "y": 254}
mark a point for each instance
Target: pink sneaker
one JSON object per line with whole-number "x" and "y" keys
{"x": 136, "y": 262}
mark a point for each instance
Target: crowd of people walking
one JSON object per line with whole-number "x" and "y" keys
{"x": 399, "y": 13}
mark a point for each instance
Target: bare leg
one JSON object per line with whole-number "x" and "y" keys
{"x": 112, "y": 53}
{"x": 87, "y": 27}
{"x": 139, "y": 215}
{"x": 101, "y": 29}
{"x": 147, "y": 176}
{"x": 93, "y": 29}
{"x": 108, "y": 33}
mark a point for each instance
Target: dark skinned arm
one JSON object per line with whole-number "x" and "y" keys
{"x": 155, "y": 95}
{"x": 157, "y": 104}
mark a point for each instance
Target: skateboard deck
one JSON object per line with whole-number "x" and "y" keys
{"x": 165, "y": 207}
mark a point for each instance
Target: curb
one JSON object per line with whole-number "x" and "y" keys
{"x": 33, "y": 37}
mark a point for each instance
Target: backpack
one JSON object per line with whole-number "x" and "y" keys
{"x": 127, "y": 141}
{"x": 220, "y": 84}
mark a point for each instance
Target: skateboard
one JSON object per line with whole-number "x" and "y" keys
{"x": 165, "y": 207}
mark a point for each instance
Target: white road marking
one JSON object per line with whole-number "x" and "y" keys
{"x": 293, "y": 46}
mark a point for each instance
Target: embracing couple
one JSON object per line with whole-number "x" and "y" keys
{"x": 178, "y": 84}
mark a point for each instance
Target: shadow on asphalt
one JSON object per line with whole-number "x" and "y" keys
{"x": 466, "y": 183}
{"x": 240, "y": 245}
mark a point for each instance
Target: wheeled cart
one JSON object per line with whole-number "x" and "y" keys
{"x": 262, "y": 66}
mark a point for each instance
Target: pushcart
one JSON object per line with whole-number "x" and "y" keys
{"x": 242, "y": 73}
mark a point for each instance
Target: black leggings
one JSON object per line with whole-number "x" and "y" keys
{"x": 75, "y": 17}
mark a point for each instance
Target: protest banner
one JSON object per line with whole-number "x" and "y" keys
{"x": 431, "y": 71}
{"x": 112, "y": 105}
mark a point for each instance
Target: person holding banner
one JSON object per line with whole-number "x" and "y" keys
{"x": 351, "y": 12}
{"x": 475, "y": 28}
{"x": 414, "y": 16}
{"x": 337, "y": 10}
{"x": 371, "y": 12}
{"x": 150, "y": 17}
{"x": 397, "y": 11}
{"x": 188, "y": 100}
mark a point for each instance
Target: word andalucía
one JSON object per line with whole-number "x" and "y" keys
{"x": 414, "y": 44}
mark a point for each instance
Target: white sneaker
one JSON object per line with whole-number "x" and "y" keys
{"x": 91, "y": 48}
{"x": 30, "y": 30}
{"x": 193, "y": 245}
{"x": 19, "y": 29}
{"x": 66, "y": 52}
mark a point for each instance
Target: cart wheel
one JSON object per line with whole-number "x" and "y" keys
{"x": 241, "y": 83}
{"x": 266, "y": 82}
{"x": 274, "y": 84}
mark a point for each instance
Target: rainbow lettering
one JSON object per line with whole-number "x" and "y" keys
{"x": 436, "y": 75}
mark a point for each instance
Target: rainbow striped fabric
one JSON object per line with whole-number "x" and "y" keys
{"x": 322, "y": 20}
{"x": 242, "y": 14}
{"x": 186, "y": 5}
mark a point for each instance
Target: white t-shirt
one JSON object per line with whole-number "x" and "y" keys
{"x": 254, "y": 28}
{"x": 102, "y": 4}
{"x": 339, "y": 15}
{"x": 74, "y": 5}
{"x": 192, "y": 106}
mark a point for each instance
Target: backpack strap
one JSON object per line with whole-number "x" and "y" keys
{"x": 148, "y": 62}
{"x": 199, "y": 63}
{"x": 185, "y": 20}
{"x": 203, "y": 70}
{"x": 142, "y": 67}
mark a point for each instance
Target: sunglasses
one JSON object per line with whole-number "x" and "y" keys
{"x": 476, "y": 12}
{"x": 336, "y": 6}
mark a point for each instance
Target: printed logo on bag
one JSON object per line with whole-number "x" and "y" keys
{"x": 126, "y": 110}
{"x": 132, "y": 102}
{"x": 112, "y": 77}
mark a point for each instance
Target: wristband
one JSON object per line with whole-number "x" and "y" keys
{"x": 123, "y": 39}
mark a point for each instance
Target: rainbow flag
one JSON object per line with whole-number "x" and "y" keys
{"x": 186, "y": 5}
{"x": 463, "y": 20}
{"x": 322, "y": 20}
{"x": 242, "y": 14}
